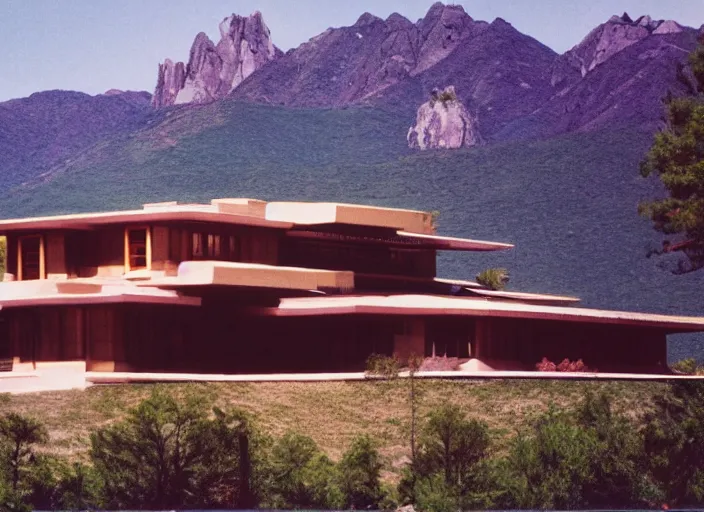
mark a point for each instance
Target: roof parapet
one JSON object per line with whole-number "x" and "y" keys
{"x": 413, "y": 221}
{"x": 252, "y": 275}
{"x": 241, "y": 206}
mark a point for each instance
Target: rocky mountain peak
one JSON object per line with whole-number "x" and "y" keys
{"x": 441, "y": 31}
{"x": 367, "y": 19}
{"x": 605, "y": 41}
{"x": 443, "y": 122}
{"x": 395, "y": 21}
{"x": 213, "y": 71}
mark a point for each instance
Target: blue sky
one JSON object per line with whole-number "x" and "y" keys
{"x": 95, "y": 45}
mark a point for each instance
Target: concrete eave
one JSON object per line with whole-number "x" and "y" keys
{"x": 86, "y": 221}
{"x": 429, "y": 305}
{"x": 307, "y": 214}
{"x": 252, "y": 275}
{"x": 449, "y": 243}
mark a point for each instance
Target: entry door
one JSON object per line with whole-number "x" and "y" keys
{"x": 31, "y": 252}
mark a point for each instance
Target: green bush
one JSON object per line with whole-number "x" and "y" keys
{"x": 22, "y": 470}
{"x": 493, "y": 278}
{"x": 379, "y": 365}
{"x": 673, "y": 448}
{"x": 360, "y": 475}
{"x": 548, "y": 468}
{"x": 78, "y": 487}
{"x": 231, "y": 468}
{"x": 452, "y": 469}
{"x": 148, "y": 459}
{"x": 587, "y": 456}
{"x": 618, "y": 478}
{"x": 302, "y": 476}
{"x": 687, "y": 366}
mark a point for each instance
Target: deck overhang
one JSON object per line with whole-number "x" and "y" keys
{"x": 421, "y": 305}
{"x": 202, "y": 274}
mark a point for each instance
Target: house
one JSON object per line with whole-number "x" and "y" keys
{"x": 242, "y": 286}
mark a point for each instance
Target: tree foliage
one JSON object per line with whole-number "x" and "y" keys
{"x": 674, "y": 443}
{"x": 548, "y": 468}
{"x": 302, "y": 475}
{"x": 170, "y": 453}
{"x": 451, "y": 468}
{"x": 150, "y": 457}
{"x": 360, "y": 475}
{"x": 230, "y": 470}
{"x": 493, "y": 278}
{"x": 677, "y": 158}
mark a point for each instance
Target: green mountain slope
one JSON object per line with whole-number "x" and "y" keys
{"x": 568, "y": 203}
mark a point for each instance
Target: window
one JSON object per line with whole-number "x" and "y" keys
{"x": 232, "y": 248}
{"x": 137, "y": 249}
{"x": 197, "y": 245}
{"x": 30, "y": 258}
{"x": 211, "y": 246}
{"x": 214, "y": 246}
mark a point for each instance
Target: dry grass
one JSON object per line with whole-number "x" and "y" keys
{"x": 332, "y": 413}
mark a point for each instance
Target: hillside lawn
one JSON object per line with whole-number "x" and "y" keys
{"x": 332, "y": 413}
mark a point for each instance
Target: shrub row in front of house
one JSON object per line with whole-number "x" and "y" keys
{"x": 170, "y": 453}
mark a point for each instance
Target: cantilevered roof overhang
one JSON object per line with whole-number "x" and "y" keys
{"x": 85, "y": 221}
{"x": 477, "y": 307}
{"x": 374, "y": 225}
{"x": 85, "y": 291}
{"x": 401, "y": 239}
{"x": 201, "y": 274}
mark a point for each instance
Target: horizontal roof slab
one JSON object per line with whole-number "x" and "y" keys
{"x": 478, "y": 307}
{"x": 253, "y": 275}
{"x": 359, "y": 215}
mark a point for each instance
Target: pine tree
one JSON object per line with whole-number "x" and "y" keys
{"x": 677, "y": 158}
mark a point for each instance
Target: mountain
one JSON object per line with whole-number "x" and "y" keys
{"x": 213, "y": 71}
{"x": 512, "y": 86}
{"x": 515, "y": 86}
{"x": 617, "y": 76}
{"x": 348, "y": 64}
{"x": 48, "y": 128}
{"x": 499, "y": 75}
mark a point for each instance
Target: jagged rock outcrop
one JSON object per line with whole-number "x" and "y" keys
{"x": 443, "y": 122}
{"x": 442, "y": 29}
{"x": 213, "y": 71}
{"x": 350, "y": 64}
{"x": 605, "y": 41}
{"x": 625, "y": 90}
{"x": 169, "y": 82}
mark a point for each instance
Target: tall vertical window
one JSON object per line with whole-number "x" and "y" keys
{"x": 233, "y": 253}
{"x": 137, "y": 249}
{"x": 197, "y": 246}
{"x": 206, "y": 246}
{"x": 30, "y": 256}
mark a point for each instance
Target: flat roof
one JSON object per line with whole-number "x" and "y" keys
{"x": 45, "y": 292}
{"x": 412, "y": 227}
{"x": 402, "y": 239}
{"x": 201, "y": 213}
{"x": 251, "y": 275}
{"x": 523, "y": 296}
{"x": 477, "y": 307}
